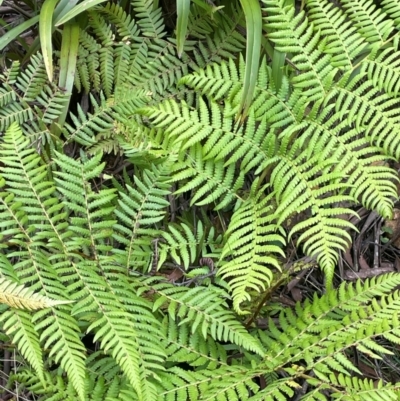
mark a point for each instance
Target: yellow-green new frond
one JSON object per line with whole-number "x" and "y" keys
{"x": 20, "y": 297}
{"x": 252, "y": 243}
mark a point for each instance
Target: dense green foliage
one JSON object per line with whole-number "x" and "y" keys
{"x": 141, "y": 260}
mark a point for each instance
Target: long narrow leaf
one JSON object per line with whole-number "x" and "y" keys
{"x": 69, "y": 54}
{"x": 62, "y": 8}
{"x": 182, "y": 9}
{"x": 15, "y": 32}
{"x": 45, "y": 34}
{"x": 278, "y": 61}
{"x": 80, "y": 8}
{"x": 252, "y": 12}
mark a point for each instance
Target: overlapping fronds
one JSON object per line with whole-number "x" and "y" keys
{"x": 156, "y": 255}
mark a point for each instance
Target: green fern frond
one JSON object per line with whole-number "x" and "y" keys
{"x": 371, "y": 21}
{"x": 106, "y": 294}
{"x": 33, "y": 79}
{"x": 140, "y": 209}
{"x": 371, "y": 111}
{"x": 361, "y": 164}
{"x": 53, "y": 102}
{"x": 126, "y": 26}
{"x": 300, "y": 185}
{"x": 106, "y": 58}
{"x": 343, "y": 42}
{"x": 184, "y": 346}
{"x": 122, "y": 60}
{"x": 101, "y": 28}
{"x": 227, "y": 42}
{"x": 150, "y": 18}
{"x": 383, "y": 70}
{"x": 60, "y": 333}
{"x": 185, "y": 246}
{"x": 251, "y": 245}
{"x": 232, "y": 383}
{"x": 340, "y": 318}
{"x": 210, "y": 181}
{"x": 392, "y": 8}
{"x": 223, "y": 81}
{"x": 15, "y": 112}
{"x": 23, "y": 169}
{"x": 293, "y": 34}
{"x": 87, "y": 124}
{"x": 18, "y": 325}
{"x": 204, "y": 309}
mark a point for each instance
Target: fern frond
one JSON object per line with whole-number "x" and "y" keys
{"x": 185, "y": 246}
{"x": 59, "y": 332}
{"x": 140, "y": 208}
{"x": 32, "y": 81}
{"x": 371, "y": 183}
{"x": 23, "y": 169}
{"x": 150, "y": 18}
{"x": 126, "y": 26}
{"x": 20, "y": 297}
{"x": 87, "y": 124}
{"x": 53, "y": 102}
{"x": 106, "y": 58}
{"x": 343, "y": 41}
{"x": 383, "y": 70}
{"x": 122, "y": 59}
{"x": 18, "y": 325}
{"x": 184, "y": 346}
{"x": 15, "y": 112}
{"x": 101, "y": 28}
{"x": 371, "y": 21}
{"x": 204, "y": 309}
{"x": 299, "y": 186}
{"x": 104, "y": 293}
{"x": 226, "y": 42}
{"x": 392, "y": 8}
{"x": 293, "y": 34}
{"x": 371, "y": 111}
{"x": 251, "y": 245}
{"x": 233, "y": 383}
{"x": 210, "y": 180}
{"x": 342, "y": 320}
